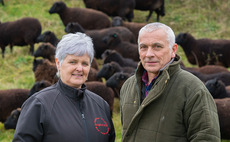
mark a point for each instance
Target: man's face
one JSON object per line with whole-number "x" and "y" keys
{"x": 154, "y": 51}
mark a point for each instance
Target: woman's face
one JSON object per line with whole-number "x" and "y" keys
{"x": 74, "y": 70}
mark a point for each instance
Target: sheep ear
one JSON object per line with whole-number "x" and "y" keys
{"x": 42, "y": 83}
{"x": 184, "y": 35}
{"x": 216, "y": 82}
{"x": 48, "y": 32}
{"x": 122, "y": 76}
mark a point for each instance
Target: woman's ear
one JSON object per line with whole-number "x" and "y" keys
{"x": 57, "y": 63}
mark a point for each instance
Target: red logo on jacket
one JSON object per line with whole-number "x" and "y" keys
{"x": 101, "y": 126}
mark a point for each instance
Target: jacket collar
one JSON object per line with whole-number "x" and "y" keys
{"x": 170, "y": 68}
{"x": 70, "y": 91}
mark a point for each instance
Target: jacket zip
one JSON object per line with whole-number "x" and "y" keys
{"x": 84, "y": 121}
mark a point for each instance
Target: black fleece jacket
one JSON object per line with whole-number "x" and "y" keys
{"x": 61, "y": 113}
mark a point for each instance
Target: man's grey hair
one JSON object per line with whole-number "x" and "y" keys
{"x": 156, "y": 26}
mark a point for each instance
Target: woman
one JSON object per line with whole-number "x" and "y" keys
{"x": 67, "y": 111}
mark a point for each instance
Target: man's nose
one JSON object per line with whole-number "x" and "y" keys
{"x": 150, "y": 52}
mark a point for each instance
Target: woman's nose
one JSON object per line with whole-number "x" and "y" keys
{"x": 78, "y": 67}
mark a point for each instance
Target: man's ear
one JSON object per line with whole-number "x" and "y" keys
{"x": 174, "y": 50}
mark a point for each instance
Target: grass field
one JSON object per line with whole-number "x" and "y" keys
{"x": 203, "y": 19}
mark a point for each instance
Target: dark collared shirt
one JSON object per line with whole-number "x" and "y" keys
{"x": 147, "y": 87}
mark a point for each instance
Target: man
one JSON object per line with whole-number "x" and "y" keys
{"x": 162, "y": 102}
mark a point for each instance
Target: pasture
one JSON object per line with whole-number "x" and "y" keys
{"x": 203, "y": 19}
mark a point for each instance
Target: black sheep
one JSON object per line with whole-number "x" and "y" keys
{"x": 11, "y": 99}
{"x": 151, "y": 5}
{"x": 47, "y": 51}
{"x": 223, "y": 76}
{"x": 88, "y": 18}
{"x": 48, "y": 36}
{"x": 112, "y": 55}
{"x": 20, "y": 32}
{"x": 93, "y": 75}
{"x": 126, "y": 49}
{"x": 124, "y": 33}
{"x": 207, "y": 69}
{"x": 74, "y": 27}
{"x": 204, "y": 51}
{"x": 117, "y": 80}
{"x": 123, "y": 8}
{"x": 45, "y": 70}
{"x": 217, "y": 88}
{"x": 12, "y": 120}
{"x": 102, "y": 90}
{"x": 223, "y": 110}
{"x": 111, "y": 68}
{"x": 132, "y": 26}
{"x": 39, "y": 85}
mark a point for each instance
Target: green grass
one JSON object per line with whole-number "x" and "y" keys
{"x": 203, "y": 19}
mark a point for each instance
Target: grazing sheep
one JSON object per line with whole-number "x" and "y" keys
{"x": 223, "y": 76}
{"x": 217, "y": 88}
{"x": 47, "y": 51}
{"x": 126, "y": 49}
{"x": 109, "y": 69}
{"x": 39, "y": 85}
{"x": 20, "y": 32}
{"x": 204, "y": 51}
{"x": 97, "y": 35}
{"x": 132, "y": 26}
{"x": 88, "y": 18}
{"x": 151, "y": 5}
{"x": 48, "y": 36}
{"x": 2, "y": 2}
{"x": 102, "y": 90}
{"x": 11, "y": 99}
{"x": 12, "y": 120}
{"x": 117, "y": 80}
{"x": 207, "y": 69}
{"x": 112, "y": 55}
{"x": 223, "y": 109}
{"x": 123, "y": 8}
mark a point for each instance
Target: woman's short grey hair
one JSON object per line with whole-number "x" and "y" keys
{"x": 156, "y": 26}
{"x": 76, "y": 44}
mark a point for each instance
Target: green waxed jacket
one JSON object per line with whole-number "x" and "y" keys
{"x": 178, "y": 108}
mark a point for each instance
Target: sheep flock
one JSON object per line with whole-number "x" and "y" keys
{"x": 30, "y": 40}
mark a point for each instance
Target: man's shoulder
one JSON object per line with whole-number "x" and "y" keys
{"x": 130, "y": 81}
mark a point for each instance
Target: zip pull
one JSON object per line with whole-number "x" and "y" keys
{"x": 83, "y": 116}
